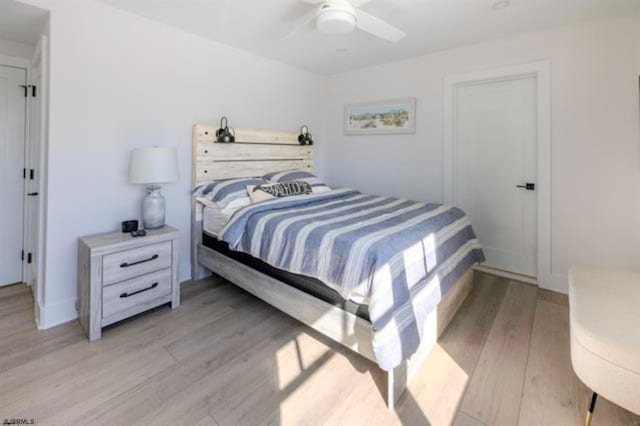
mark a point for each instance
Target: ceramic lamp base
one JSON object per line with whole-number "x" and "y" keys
{"x": 153, "y": 208}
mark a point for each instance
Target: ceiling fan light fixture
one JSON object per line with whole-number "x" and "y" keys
{"x": 336, "y": 21}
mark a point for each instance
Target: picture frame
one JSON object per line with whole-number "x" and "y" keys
{"x": 386, "y": 117}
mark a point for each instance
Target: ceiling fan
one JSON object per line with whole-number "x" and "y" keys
{"x": 342, "y": 17}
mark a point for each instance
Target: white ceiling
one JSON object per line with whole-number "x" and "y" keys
{"x": 21, "y": 23}
{"x": 260, "y": 25}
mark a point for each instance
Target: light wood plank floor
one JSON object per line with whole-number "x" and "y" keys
{"x": 225, "y": 358}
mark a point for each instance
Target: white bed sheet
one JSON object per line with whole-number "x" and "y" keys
{"x": 213, "y": 220}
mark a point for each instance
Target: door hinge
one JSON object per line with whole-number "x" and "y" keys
{"x": 32, "y": 174}
{"x": 34, "y": 90}
{"x": 29, "y": 258}
{"x": 22, "y": 255}
{"x": 24, "y": 173}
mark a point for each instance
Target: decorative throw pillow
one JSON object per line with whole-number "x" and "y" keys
{"x": 227, "y": 193}
{"x": 298, "y": 175}
{"x": 269, "y": 191}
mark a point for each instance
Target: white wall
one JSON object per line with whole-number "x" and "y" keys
{"x": 119, "y": 81}
{"x": 12, "y": 48}
{"x": 595, "y": 145}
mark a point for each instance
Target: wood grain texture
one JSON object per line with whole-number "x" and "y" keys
{"x": 463, "y": 419}
{"x": 122, "y": 265}
{"x": 551, "y": 391}
{"x": 207, "y": 133}
{"x": 153, "y": 259}
{"x": 175, "y": 273}
{"x": 449, "y": 368}
{"x": 117, "y": 241}
{"x": 226, "y": 358}
{"x": 210, "y": 152}
{"x": 553, "y": 297}
{"x": 211, "y": 170}
{"x": 89, "y": 290}
{"x": 136, "y": 291}
{"x": 255, "y": 153}
{"x": 501, "y": 368}
{"x": 198, "y": 271}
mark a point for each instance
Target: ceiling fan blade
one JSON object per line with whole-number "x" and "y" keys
{"x": 301, "y": 23}
{"x": 379, "y": 28}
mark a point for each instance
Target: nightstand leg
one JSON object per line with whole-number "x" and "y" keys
{"x": 95, "y": 332}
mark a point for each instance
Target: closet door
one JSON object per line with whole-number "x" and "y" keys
{"x": 12, "y": 136}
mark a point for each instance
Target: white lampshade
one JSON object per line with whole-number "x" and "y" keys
{"x": 153, "y": 165}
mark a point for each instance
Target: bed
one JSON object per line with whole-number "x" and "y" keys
{"x": 389, "y": 302}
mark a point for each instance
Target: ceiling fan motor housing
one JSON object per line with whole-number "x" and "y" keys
{"x": 336, "y": 17}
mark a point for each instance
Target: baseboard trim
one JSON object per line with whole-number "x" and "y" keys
{"x": 53, "y": 314}
{"x": 506, "y": 274}
{"x": 37, "y": 314}
{"x": 556, "y": 282}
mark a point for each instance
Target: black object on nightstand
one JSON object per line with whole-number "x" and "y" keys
{"x": 129, "y": 226}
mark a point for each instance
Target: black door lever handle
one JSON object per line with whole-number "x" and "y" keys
{"x": 32, "y": 194}
{"x": 528, "y": 186}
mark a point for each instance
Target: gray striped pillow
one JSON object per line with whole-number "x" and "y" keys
{"x": 317, "y": 185}
{"x": 224, "y": 192}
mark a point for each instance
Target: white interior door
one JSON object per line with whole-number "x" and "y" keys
{"x": 12, "y": 136}
{"x": 495, "y": 155}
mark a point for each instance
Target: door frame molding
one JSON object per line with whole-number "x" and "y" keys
{"x": 41, "y": 52}
{"x": 16, "y": 62}
{"x": 541, "y": 70}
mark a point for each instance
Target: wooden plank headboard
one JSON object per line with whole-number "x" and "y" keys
{"x": 255, "y": 153}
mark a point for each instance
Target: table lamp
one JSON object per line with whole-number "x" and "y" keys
{"x": 151, "y": 167}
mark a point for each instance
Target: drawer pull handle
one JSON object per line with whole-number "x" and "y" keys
{"x": 126, "y": 265}
{"x": 154, "y": 285}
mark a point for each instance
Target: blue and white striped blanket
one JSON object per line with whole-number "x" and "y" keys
{"x": 400, "y": 256}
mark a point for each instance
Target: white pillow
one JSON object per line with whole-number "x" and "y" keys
{"x": 230, "y": 208}
{"x": 207, "y": 202}
{"x": 320, "y": 189}
{"x": 258, "y": 196}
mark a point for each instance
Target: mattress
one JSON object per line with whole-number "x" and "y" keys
{"x": 309, "y": 285}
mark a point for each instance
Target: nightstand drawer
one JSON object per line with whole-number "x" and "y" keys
{"x": 136, "y": 291}
{"x": 132, "y": 263}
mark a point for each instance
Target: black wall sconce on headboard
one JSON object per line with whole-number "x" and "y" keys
{"x": 305, "y": 137}
{"x": 225, "y": 134}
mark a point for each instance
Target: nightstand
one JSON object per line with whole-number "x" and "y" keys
{"x": 120, "y": 276}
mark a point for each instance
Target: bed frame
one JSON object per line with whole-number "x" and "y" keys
{"x": 255, "y": 153}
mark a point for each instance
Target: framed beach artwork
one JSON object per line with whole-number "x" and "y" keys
{"x": 391, "y": 117}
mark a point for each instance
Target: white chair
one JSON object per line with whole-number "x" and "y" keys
{"x": 605, "y": 335}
